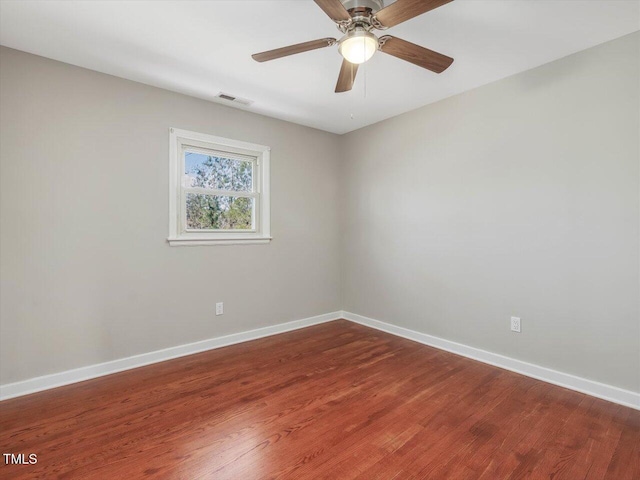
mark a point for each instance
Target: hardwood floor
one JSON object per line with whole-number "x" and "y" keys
{"x": 334, "y": 401}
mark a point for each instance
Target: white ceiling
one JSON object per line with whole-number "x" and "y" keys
{"x": 204, "y": 47}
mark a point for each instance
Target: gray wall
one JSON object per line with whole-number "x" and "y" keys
{"x": 518, "y": 198}
{"x": 86, "y": 273}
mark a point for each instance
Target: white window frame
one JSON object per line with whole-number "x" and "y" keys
{"x": 179, "y": 234}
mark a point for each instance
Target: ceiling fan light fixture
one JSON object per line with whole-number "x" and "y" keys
{"x": 358, "y": 45}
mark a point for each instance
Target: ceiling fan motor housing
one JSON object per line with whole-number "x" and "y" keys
{"x": 374, "y": 5}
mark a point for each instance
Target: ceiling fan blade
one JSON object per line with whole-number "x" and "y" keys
{"x": 423, "y": 57}
{"x": 335, "y": 10}
{"x": 347, "y": 77}
{"x": 293, "y": 49}
{"x": 404, "y": 10}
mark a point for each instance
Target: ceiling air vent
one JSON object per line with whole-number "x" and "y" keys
{"x": 231, "y": 98}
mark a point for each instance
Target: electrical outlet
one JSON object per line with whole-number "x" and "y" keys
{"x": 219, "y": 308}
{"x": 515, "y": 324}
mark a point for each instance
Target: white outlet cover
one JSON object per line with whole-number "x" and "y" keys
{"x": 219, "y": 308}
{"x": 515, "y": 324}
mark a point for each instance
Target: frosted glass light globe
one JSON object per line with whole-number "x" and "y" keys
{"x": 358, "y": 46}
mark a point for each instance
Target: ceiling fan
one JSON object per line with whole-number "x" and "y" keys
{"x": 356, "y": 19}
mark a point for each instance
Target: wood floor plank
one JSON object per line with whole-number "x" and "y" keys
{"x": 334, "y": 401}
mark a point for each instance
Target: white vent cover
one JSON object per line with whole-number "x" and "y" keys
{"x": 234, "y": 99}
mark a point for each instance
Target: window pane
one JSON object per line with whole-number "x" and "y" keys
{"x": 219, "y": 173}
{"x": 211, "y": 212}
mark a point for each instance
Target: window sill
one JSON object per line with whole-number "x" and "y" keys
{"x": 197, "y": 242}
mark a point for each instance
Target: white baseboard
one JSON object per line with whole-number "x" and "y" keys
{"x": 579, "y": 384}
{"x": 46, "y": 382}
{"x": 583, "y": 385}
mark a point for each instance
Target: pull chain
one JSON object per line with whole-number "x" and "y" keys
{"x": 365, "y": 80}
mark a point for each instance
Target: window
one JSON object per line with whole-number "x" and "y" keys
{"x": 219, "y": 190}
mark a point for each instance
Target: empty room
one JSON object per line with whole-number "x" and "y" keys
{"x": 320, "y": 239}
